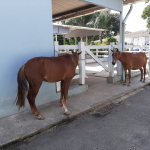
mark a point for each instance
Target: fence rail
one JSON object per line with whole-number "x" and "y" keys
{"x": 95, "y": 53}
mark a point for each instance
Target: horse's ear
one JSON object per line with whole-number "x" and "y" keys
{"x": 117, "y": 50}
{"x": 72, "y": 51}
{"x": 112, "y": 50}
{"x": 79, "y": 53}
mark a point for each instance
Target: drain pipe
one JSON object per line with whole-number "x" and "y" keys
{"x": 123, "y": 36}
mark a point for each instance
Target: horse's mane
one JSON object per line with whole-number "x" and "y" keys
{"x": 70, "y": 56}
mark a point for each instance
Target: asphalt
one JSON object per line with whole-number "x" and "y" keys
{"x": 23, "y": 125}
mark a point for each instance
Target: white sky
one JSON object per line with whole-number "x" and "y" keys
{"x": 134, "y": 21}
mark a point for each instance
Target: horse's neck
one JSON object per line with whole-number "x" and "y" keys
{"x": 122, "y": 58}
{"x": 74, "y": 61}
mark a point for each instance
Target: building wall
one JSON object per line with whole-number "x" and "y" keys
{"x": 26, "y": 31}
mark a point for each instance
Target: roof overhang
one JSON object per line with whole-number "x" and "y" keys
{"x": 75, "y": 31}
{"x": 68, "y": 9}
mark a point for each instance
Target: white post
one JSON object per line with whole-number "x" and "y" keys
{"x": 120, "y": 71}
{"x": 56, "y": 49}
{"x": 119, "y": 65}
{"x": 56, "y": 37}
{"x": 110, "y": 66}
{"x": 82, "y": 63}
{"x": 56, "y": 52}
{"x": 97, "y": 53}
{"x": 149, "y": 56}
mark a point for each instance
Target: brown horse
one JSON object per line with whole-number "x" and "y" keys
{"x": 130, "y": 61}
{"x": 49, "y": 69}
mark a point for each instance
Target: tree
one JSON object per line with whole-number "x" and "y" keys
{"x": 110, "y": 39}
{"x": 81, "y": 21}
{"x": 146, "y": 15}
{"x": 101, "y": 20}
{"x": 108, "y": 21}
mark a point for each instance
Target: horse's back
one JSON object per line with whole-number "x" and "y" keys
{"x": 136, "y": 61}
{"x": 139, "y": 58}
{"x": 50, "y": 69}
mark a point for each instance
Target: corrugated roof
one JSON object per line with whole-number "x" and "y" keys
{"x": 67, "y": 9}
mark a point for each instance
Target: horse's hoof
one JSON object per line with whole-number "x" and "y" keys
{"x": 67, "y": 113}
{"x": 129, "y": 84}
{"x": 124, "y": 84}
{"x": 40, "y": 117}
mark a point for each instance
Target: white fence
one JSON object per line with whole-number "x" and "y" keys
{"x": 94, "y": 53}
{"x": 89, "y": 54}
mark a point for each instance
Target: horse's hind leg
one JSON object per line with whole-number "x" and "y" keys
{"x": 62, "y": 92}
{"x": 66, "y": 87}
{"x": 33, "y": 92}
{"x": 144, "y": 72}
{"x": 28, "y": 97}
{"x": 141, "y": 74}
{"x": 129, "y": 76}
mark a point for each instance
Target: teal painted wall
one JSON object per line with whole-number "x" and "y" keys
{"x": 26, "y": 31}
{"x": 112, "y": 4}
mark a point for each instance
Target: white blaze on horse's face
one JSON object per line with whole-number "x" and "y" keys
{"x": 115, "y": 56}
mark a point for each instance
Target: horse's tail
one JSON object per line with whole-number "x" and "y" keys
{"x": 22, "y": 88}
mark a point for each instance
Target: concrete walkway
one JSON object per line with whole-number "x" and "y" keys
{"x": 20, "y": 126}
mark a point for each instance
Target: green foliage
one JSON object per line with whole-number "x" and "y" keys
{"x": 146, "y": 16}
{"x": 101, "y": 20}
{"x": 126, "y": 32}
{"x": 108, "y": 21}
{"x": 110, "y": 39}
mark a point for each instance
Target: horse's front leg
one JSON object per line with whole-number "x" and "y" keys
{"x": 66, "y": 87}
{"x": 129, "y": 76}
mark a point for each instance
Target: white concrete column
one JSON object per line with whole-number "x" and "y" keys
{"x": 56, "y": 52}
{"x": 56, "y": 37}
{"x": 56, "y": 49}
{"x": 119, "y": 65}
{"x": 149, "y": 57}
{"x": 110, "y": 66}
{"x": 82, "y": 63}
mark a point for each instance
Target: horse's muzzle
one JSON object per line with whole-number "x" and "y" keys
{"x": 113, "y": 62}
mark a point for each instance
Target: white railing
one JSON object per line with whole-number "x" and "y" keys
{"x": 96, "y": 53}
{"x": 87, "y": 56}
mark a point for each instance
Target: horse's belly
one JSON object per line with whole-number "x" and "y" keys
{"x": 52, "y": 79}
{"x": 136, "y": 67}
{"x": 57, "y": 77}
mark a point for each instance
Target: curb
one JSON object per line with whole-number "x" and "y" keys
{"x": 113, "y": 99}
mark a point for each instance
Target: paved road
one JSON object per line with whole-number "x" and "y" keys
{"x": 125, "y": 128}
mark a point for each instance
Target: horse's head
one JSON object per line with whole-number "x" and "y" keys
{"x": 116, "y": 55}
{"x": 76, "y": 57}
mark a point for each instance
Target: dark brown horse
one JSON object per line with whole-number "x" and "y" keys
{"x": 49, "y": 69}
{"x": 130, "y": 62}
